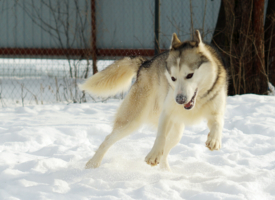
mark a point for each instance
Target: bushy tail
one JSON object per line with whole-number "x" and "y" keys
{"x": 114, "y": 79}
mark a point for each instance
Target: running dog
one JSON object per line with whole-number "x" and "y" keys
{"x": 176, "y": 88}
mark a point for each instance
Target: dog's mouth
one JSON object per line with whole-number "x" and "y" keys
{"x": 191, "y": 103}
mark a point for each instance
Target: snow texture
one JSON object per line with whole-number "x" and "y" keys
{"x": 43, "y": 150}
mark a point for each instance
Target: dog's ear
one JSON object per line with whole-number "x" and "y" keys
{"x": 175, "y": 41}
{"x": 198, "y": 37}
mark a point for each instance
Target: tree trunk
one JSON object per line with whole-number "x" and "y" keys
{"x": 246, "y": 73}
{"x": 239, "y": 34}
{"x": 270, "y": 41}
{"x": 219, "y": 33}
{"x": 261, "y": 79}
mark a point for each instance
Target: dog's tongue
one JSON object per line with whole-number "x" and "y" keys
{"x": 190, "y": 104}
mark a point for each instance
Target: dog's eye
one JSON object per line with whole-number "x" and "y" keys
{"x": 173, "y": 78}
{"x": 189, "y": 76}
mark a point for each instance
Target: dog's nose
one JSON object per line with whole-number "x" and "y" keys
{"x": 180, "y": 99}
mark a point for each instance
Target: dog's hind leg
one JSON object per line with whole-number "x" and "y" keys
{"x": 129, "y": 117}
{"x": 117, "y": 134}
{"x": 172, "y": 140}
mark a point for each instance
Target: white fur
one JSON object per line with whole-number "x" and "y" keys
{"x": 115, "y": 79}
{"x": 152, "y": 100}
{"x": 175, "y": 116}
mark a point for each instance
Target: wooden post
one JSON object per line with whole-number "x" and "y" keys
{"x": 93, "y": 41}
{"x": 157, "y": 49}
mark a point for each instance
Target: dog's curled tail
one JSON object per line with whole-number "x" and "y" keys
{"x": 114, "y": 79}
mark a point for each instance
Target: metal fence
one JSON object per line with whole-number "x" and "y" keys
{"x": 47, "y": 47}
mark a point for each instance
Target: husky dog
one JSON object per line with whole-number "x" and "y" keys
{"x": 177, "y": 88}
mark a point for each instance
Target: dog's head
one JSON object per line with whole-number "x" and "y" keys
{"x": 188, "y": 69}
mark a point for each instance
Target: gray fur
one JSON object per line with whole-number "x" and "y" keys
{"x": 174, "y": 89}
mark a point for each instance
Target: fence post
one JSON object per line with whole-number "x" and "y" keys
{"x": 93, "y": 42}
{"x": 157, "y": 50}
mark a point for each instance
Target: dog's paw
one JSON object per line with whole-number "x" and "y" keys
{"x": 92, "y": 164}
{"x": 154, "y": 157}
{"x": 213, "y": 143}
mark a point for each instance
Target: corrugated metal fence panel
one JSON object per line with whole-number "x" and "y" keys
{"x": 175, "y": 17}
{"x": 34, "y": 24}
{"x": 130, "y": 24}
{"x": 121, "y": 24}
{"x": 125, "y": 24}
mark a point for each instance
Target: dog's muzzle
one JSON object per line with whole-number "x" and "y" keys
{"x": 180, "y": 99}
{"x": 191, "y": 103}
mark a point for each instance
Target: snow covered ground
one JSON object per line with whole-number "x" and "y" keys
{"x": 43, "y": 150}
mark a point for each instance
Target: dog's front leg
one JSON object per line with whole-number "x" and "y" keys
{"x": 214, "y": 139}
{"x": 154, "y": 156}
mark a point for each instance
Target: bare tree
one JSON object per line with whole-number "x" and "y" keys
{"x": 66, "y": 30}
{"x": 270, "y": 41}
{"x": 239, "y": 35}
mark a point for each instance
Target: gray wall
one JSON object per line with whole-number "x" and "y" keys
{"x": 45, "y": 23}
{"x": 130, "y": 24}
{"x": 125, "y": 24}
{"x": 176, "y": 17}
{"x": 120, "y": 23}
